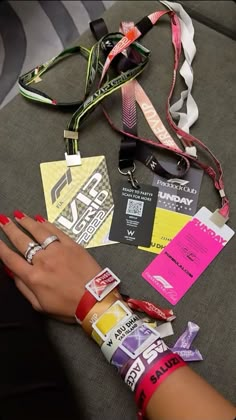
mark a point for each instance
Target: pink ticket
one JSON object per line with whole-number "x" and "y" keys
{"x": 185, "y": 258}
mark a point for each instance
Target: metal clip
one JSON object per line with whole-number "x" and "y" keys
{"x": 130, "y": 173}
{"x": 218, "y": 219}
{"x": 73, "y": 160}
{"x": 133, "y": 181}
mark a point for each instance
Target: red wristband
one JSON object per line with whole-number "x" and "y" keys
{"x": 85, "y": 305}
{"x": 96, "y": 290}
{"x": 154, "y": 377}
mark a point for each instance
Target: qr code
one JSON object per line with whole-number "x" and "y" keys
{"x": 134, "y": 207}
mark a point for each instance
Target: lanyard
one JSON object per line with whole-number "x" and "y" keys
{"x": 88, "y": 103}
{"x": 130, "y": 150}
{"x": 136, "y": 32}
{"x": 109, "y": 86}
{"x": 188, "y": 118}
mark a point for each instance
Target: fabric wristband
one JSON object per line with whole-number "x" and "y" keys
{"x": 98, "y": 309}
{"x": 97, "y": 288}
{"x": 85, "y": 305}
{"x": 110, "y": 346}
{"x": 148, "y": 357}
{"x": 118, "y": 312}
{"x": 154, "y": 377}
{"x": 137, "y": 371}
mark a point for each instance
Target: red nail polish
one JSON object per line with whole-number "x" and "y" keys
{"x": 39, "y": 218}
{"x": 4, "y": 219}
{"x": 8, "y": 271}
{"x": 18, "y": 214}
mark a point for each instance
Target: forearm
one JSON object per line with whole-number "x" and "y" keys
{"x": 184, "y": 395}
{"x": 164, "y": 387}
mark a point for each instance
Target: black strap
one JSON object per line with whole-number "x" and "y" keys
{"x": 144, "y": 155}
{"x": 98, "y": 28}
{"x": 121, "y": 63}
{"x": 144, "y": 25}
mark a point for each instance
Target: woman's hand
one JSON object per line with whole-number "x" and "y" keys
{"x": 54, "y": 283}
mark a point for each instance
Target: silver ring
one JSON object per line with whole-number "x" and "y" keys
{"x": 30, "y": 246}
{"x": 49, "y": 241}
{"x": 32, "y": 252}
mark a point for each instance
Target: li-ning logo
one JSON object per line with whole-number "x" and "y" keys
{"x": 66, "y": 179}
{"x": 84, "y": 227}
{"x": 178, "y": 181}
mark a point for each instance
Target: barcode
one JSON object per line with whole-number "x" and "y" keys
{"x": 134, "y": 207}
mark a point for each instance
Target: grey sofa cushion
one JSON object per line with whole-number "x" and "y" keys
{"x": 220, "y": 15}
{"x": 31, "y": 134}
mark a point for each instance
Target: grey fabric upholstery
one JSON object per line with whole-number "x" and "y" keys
{"x": 220, "y": 16}
{"x": 31, "y": 134}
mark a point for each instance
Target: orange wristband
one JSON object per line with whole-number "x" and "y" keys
{"x": 98, "y": 309}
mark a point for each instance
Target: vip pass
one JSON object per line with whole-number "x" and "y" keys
{"x": 127, "y": 342}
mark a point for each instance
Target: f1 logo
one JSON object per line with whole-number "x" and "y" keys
{"x": 66, "y": 179}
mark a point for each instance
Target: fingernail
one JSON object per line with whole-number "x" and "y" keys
{"x": 4, "y": 219}
{"x": 18, "y": 214}
{"x": 8, "y": 271}
{"x": 39, "y": 218}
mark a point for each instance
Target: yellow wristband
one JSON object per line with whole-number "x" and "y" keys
{"x": 98, "y": 309}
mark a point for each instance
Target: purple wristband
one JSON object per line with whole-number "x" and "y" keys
{"x": 133, "y": 370}
{"x": 186, "y": 339}
{"x": 133, "y": 345}
{"x": 188, "y": 355}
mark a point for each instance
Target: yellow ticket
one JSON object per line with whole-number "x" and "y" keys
{"x": 166, "y": 225}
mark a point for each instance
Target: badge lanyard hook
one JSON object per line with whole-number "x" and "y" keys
{"x": 130, "y": 174}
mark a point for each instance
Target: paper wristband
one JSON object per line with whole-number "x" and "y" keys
{"x": 98, "y": 309}
{"x": 110, "y": 346}
{"x": 148, "y": 357}
{"x": 97, "y": 289}
{"x": 154, "y": 377}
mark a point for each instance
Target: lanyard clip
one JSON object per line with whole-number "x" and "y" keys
{"x": 130, "y": 173}
{"x": 72, "y": 154}
{"x": 133, "y": 181}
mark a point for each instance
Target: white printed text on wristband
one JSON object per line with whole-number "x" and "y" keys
{"x": 118, "y": 334}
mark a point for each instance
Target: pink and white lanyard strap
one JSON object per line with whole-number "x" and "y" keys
{"x": 185, "y": 118}
{"x": 133, "y": 34}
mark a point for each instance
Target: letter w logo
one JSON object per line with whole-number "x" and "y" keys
{"x": 61, "y": 183}
{"x": 130, "y": 232}
{"x": 153, "y": 165}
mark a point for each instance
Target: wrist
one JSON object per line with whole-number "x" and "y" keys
{"x": 128, "y": 342}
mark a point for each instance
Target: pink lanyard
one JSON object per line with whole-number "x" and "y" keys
{"x": 140, "y": 29}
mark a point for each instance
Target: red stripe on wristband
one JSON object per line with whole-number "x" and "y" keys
{"x": 154, "y": 377}
{"x": 85, "y": 305}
